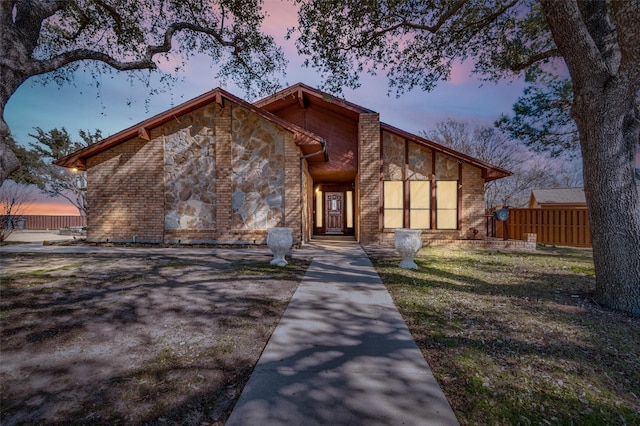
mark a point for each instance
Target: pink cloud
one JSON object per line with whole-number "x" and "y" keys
{"x": 461, "y": 72}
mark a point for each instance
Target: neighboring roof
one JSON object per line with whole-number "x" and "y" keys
{"x": 302, "y": 137}
{"x": 489, "y": 172}
{"x": 559, "y": 196}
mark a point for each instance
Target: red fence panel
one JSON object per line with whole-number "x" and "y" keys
{"x": 53, "y": 222}
{"x": 561, "y": 227}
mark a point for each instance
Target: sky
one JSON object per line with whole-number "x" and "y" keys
{"x": 118, "y": 105}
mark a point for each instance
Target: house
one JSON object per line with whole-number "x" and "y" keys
{"x": 559, "y": 198}
{"x": 218, "y": 169}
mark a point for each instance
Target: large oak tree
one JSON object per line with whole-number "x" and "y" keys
{"x": 415, "y": 42}
{"x": 53, "y": 38}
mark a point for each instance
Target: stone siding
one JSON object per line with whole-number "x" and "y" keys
{"x": 215, "y": 175}
{"x": 393, "y": 149}
{"x": 257, "y": 172}
{"x": 190, "y": 173}
{"x": 420, "y": 162}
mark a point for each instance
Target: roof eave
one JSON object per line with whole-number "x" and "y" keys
{"x": 143, "y": 129}
{"x": 489, "y": 172}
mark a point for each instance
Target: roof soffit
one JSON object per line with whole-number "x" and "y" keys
{"x": 489, "y": 172}
{"x": 303, "y": 95}
{"x": 143, "y": 129}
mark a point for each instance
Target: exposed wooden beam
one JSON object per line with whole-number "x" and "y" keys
{"x": 144, "y": 133}
{"x": 301, "y": 100}
{"x": 219, "y": 100}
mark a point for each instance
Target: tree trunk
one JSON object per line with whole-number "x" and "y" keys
{"x": 607, "y": 138}
{"x": 599, "y": 43}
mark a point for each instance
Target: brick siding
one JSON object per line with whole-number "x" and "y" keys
{"x": 125, "y": 193}
{"x": 369, "y": 178}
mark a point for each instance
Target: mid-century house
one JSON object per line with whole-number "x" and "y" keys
{"x": 218, "y": 169}
{"x": 558, "y": 198}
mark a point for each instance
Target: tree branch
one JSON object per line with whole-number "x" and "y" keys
{"x": 575, "y": 43}
{"x": 552, "y": 53}
{"x": 403, "y": 23}
{"x": 628, "y": 36}
{"x": 444, "y": 18}
{"x": 146, "y": 62}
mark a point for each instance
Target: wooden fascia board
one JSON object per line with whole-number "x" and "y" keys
{"x": 489, "y": 172}
{"x": 143, "y": 129}
{"x": 302, "y": 92}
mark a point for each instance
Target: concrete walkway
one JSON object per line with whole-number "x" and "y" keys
{"x": 341, "y": 354}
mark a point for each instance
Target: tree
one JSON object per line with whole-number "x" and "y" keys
{"x": 54, "y": 180}
{"x": 598, "y": 42}
{"x": 529, "y": 169}
{"x": 14, "y": 200}
{"x": 541, "y": 117}
{"x": 53, "y": 38}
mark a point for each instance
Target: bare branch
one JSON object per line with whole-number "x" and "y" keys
{"x": 409, "y": 25}
{"x": 444, "y": 18}
{"x": 628, "y": 36}
{"x": 552, "y": 53}
{"x": 146, "y": 62}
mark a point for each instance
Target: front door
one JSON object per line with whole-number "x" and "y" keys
{"x": 334, "y": 211}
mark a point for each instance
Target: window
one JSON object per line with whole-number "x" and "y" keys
{"x": 393, "y": 204}
{"x": 349, "y": 209}
{"x": 318, "y": 208}
{"x": 447, "y": 196}
{"x": 420, "y": 204}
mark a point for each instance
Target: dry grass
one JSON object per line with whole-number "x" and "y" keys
{"x": 135, "y": 340}
{"x": 516, "y": 338}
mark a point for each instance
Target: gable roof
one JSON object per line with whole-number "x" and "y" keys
{"x": 303, "y": 95}
{"x": 559, "y": 196}
{"x": 489, "y": 172}
{"x": 307, "y": 140}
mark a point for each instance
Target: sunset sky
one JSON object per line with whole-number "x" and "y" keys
{"x": 118, "y": 105}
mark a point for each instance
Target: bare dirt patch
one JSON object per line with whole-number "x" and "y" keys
{"x": 155, "y": 339}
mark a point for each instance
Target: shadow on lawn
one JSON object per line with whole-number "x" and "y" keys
{"x": 136, "y": 340}
{"x": 516, "y": 338}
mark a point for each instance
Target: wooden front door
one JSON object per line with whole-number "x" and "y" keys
{"x": 334, "y": 212}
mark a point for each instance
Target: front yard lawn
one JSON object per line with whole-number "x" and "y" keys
{"x": 515, "y": 338}
{"x": 141, "y": 339}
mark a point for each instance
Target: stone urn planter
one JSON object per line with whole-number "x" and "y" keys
{"x": 408, "y": 242}
{"x": 279, "y": 241}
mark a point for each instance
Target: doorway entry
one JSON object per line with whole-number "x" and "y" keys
{"x": 334, "y": 208}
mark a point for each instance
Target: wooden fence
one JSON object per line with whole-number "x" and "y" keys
{"x": 51, "y": 222}
{"x": 561, "y": 227}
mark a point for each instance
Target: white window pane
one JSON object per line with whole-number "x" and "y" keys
{"x": 349, "y": 209}
{"x": 393, "y": 194}
{"x": 319, "y": 209}
{"x": 420, "y": 194}
{"x": 447, "y": 194}
{"x": 447, "y": 219}
{"x": 420, "y": 219}
{"x": 393, "y": 218}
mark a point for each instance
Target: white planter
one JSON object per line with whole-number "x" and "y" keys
{"x": 408, "y": 242}
{"x": 279, "y": 241}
